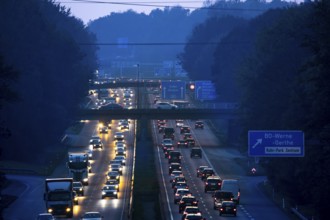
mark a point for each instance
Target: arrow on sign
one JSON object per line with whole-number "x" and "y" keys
{"x": 259, "y": 141}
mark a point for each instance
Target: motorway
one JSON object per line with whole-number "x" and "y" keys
{"x": 253, "y": 205}
{"x": 33, "y": 188}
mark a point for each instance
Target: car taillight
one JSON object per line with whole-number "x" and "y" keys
{"x": 206, "y": 183}
{"x": 235, "y": 210}
{"x": 219, "y": 184}
{"x": 181, "y": 202}
{"x": 221, "y": 209}
{"x": 176, "y": 194}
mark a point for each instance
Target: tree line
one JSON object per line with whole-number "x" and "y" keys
{"x": 44, "y": 72}
{"x": 276, "y": 66}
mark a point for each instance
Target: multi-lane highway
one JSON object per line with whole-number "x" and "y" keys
{"x": 253, "y": 204}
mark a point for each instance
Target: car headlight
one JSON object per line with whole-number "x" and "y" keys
{"x": 85, "y": 180}
{"x": 50, "y": 210}
{"x": 68, "y": 209}
{"x": 114, "y": 192}
{"x": 103, "y": 193}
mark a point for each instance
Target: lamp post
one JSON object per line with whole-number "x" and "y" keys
{"x": 138, "y": 86}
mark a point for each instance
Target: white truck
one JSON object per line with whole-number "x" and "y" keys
{"x": 59, "y": 196}
{"x": 79, "y": 166}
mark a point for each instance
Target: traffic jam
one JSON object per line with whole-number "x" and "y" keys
{"x": 225, "y": 193}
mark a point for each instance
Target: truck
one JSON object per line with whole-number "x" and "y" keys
{"x": 79, "y": 166}
{"x": 59, "y": 196}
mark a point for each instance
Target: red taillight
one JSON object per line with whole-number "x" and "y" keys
{"x": 206, "y": 183}
{"x": 219, "y": 184}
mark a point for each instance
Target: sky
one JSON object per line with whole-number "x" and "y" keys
{"x": 88, "y": 10}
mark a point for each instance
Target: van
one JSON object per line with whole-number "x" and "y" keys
{"x": 232, "y": 185}
{"x": 196, "y": 152}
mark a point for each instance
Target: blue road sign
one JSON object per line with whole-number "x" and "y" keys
{"x": 205, "y": 90}
{"x": 173, "y": 89}
{"x": 276, "y": 143}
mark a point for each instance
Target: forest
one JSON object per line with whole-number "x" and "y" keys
{"x": 276, "y": 66}
{"x": 44, "y": 75}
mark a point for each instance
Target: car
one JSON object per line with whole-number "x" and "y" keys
{"x": 167, "y": 151}
{"x": 112, "y": 183}
{"x": 109, "y": 191}
{"x": 92, "y": 216}
{"x": 95, "y": 143}
{"x": 196, "y": 152}
{"x": 124, "y": 125}
{"x": 190, "y": 210}
{"x": 113, "y": 175}
{"x": 206, "y": 173}
{"x": 179, "y": 193}
{"x": 119, "y": 136}
{"x": 161, "y": 123}
{"x": 190, "y": 141}
{"x": 90, "y": 153}
{"x": 167, "y": 143}
{"x": 122, "y": 158}
{"x": 187, "y": 201}
{"x": 45, "y": 216}
{"x": 178, "y": 123}
{"x": 111, "y": 106}
{"x": 174, "y": 157}
{"x": 174, "y": 174}
{"x": 116, "y": 167}
{"x": 178, "y": 179}
{"x": 104, "y": 130}
{"x": 228, "y": 207}
{"x": 184, "y": 129}
{"x": 120, "y": 144}
{"x": 212, "y": 183}
{"x": 120, "y": 151}
{"x": 200, "y": 170}
{"x": 193, "y": 216}
{"x": 220, "y": 196}
{"x": 199, "y": 124}
{"x": 180, "y": 185}
{"x": 174, "y": 166}
{"x": 161, "y": 129}
{"x": 232, "y": 185}
{"x": 187, "y": 135}
{"x": 182, "y": 143}
{"x": 78, "y": 188}
{"x": 165, "y": 105}
{"x": 169, "y": 133}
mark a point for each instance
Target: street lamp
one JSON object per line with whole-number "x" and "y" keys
{"x": 138, "y": 85}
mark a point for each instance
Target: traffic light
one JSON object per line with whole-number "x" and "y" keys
{"x": 190, "y": 86}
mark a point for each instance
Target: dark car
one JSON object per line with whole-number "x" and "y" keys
{"x": 109, "y": 191}
{"x": 187, "y": 135}
{"x": 178, "y": 179}
{"x": 174, "y": 157}
{"x": 180, "y": 185}
{"x": 220, "y": 196}
{"x": 184, "y": 129}
{"x": 161, "y": 129}
{"x": 196, "y": 152}
{"x": 187, "y": 201}
{"x": 199, "y": 124}
{"x": 228, "y": 207}
{"x": 167, "y": 151}
{"x": 190, "y": 141}
{"x": 182, "y": 143}
{"x": 169, "y": 133}
{"x": 174, "y": 166}
{"x": 212, "y": 183}
{"x": 206, "y": 173}
{"x": 200, "y": 170}
{"x": 78, "y": 188}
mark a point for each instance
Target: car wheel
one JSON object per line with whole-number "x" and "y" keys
{"x": 82, "y": 194}
{"x": 220, "y": 213}
{"x": 205, "y": 190}
{"x": 214, "y": 207}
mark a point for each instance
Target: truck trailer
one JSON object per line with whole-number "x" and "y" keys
{"x": 59, "y": 197}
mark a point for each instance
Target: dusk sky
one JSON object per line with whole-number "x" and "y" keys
{"x": 92, "y": 9}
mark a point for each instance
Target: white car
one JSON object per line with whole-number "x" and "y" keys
{"x": 165, "y": 105}
{"x": 92, "y": 216}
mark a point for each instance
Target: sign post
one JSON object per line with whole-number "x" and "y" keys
{"x": 276, "y": 143}
{"x": 205, "y": 90}
{"x": 173, "y": 89}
